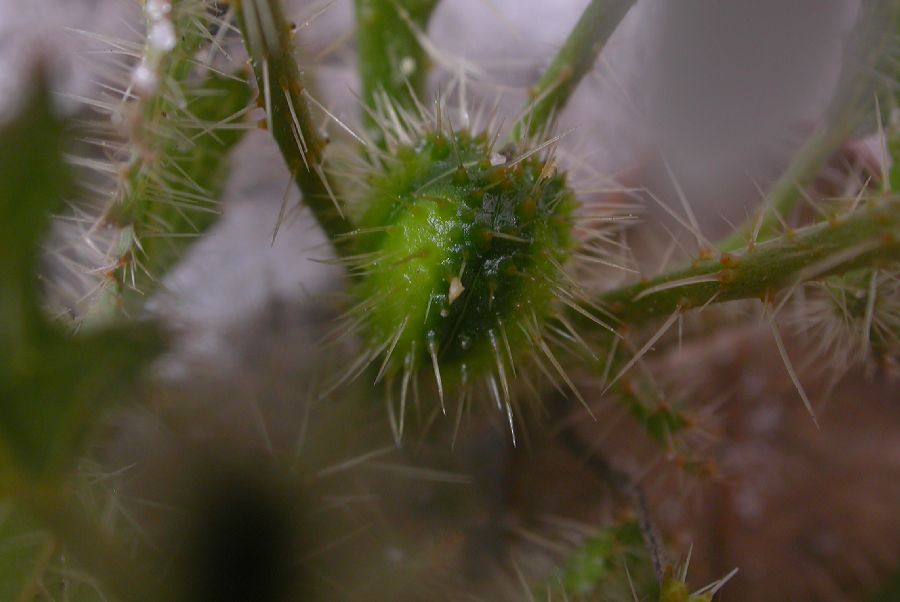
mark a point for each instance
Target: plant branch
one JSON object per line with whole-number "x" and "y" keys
{"x": 267, "y": 36}
{"x": 166, "y": 181}
{"x": 783, "y": 195}
{"x": 865, "y": 237}
{"x": 620, "y": 481}
{"x": 859, "y": 83}
{"x": 392, "y": 61}
{"x": 576, "y": 57}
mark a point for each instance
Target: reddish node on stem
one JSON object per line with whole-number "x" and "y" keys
{"x": 727, "y": 260}
{"x": 726, "y": 276}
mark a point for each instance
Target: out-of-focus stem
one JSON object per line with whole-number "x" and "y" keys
{"x": 268, "y": 38}
{"x": 391, "y": 58}
{"x": 576, "y": 57}
{"x": 858, "y": 84}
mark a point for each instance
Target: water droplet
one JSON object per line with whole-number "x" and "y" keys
{"x": 465, "y": 342}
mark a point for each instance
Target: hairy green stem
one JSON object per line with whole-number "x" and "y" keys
{"x": 268, "y": 38}
{"x": 857, "y": 85}
{"x": 576, "y": 57}
{"x": 164, "y": 193}
{"x": 392, "y": 61}
{"x": 867, "y": 236}
{"x": 783, "y": 195}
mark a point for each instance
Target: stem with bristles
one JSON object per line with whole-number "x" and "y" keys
{"x": 576, "y": 57}
{"x": 164, "y": 190}
{"x": 268, "y": 38}
{"x": 392, "y": 61}
{"x": 865, "y": 237}
{"x": 861, "y": 62}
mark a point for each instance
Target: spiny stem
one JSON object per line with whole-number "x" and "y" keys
{"x": 164, "y": 193}
{"x": 621, "y": 482}
{"x": 576, "y": 57}
{"x": 391, "y": 59}
{"x": 783, "y": 195}
{"x": 268, "y": 38}
{"x": 865, "y": 237}
{"x": 860, "y": 83}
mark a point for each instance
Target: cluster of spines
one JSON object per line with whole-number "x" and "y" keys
{"x": 166, "y": 117}
{"x": 851, "y": 321}
{"x": 498, "y": 230}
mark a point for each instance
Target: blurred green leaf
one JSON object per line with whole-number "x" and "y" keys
{"x": 33, "y": 179}
{"x": 22, "y": 543}
{"x": 51, "y": 408}
{"x": 52, "y": 383}
{"x": 33, "y": 567}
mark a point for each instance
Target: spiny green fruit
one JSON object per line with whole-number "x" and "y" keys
{"x": 460, "y": 255}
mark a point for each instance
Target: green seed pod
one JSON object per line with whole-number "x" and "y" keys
{"x": 458, "y": 244}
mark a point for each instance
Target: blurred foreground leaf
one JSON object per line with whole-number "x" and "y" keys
{"x": 52, "y": 384}
{"x": 21, "y": 544}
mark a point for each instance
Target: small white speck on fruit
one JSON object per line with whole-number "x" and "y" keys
{"x": 456, "y": 289}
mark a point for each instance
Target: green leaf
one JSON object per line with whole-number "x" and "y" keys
{"x": 32, "y": 181}
{"x": 50, "y": 409}
{"x": 33, "y": 566}
{"x": 52, "y": 384}
{"x": 889, "y": 592}
{"x": 23, "y": 545}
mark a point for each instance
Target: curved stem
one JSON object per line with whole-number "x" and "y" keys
{"x": 576, "y": 57}
{"x": 267, "y": 36}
